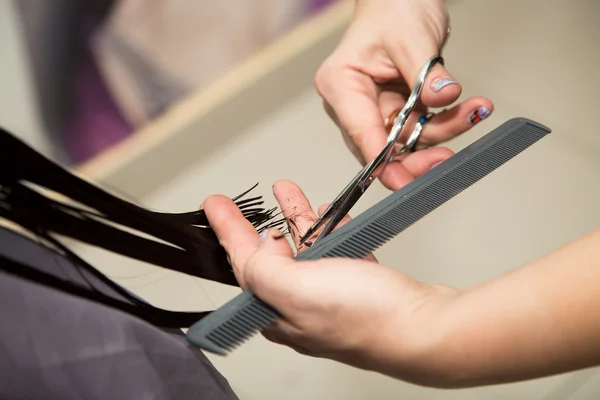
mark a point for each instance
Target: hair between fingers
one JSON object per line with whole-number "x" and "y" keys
{"x": 46, "y": 201}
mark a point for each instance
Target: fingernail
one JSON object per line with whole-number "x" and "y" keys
{"x": 440, "y": 83}
{"x": 479, "y": 115}
{"x": 263, "y": 235}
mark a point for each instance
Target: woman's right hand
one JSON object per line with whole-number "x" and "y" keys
{"x": 371, "y": 74}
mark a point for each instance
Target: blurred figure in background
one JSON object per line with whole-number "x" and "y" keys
{"x": 104, "y": 68}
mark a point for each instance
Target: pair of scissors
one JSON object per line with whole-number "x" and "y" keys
{"x": 342, "y": 204}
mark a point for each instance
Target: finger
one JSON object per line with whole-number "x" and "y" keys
{"x": 395, "y": 92}
{"x": 351, "y": 99}
{"x": 391, "y": 103}
{"x": 399, "y": 173}
{"x": 276, "y": 278}
{"x": 418, "y": 163}
{"x": 322, "y": 209}
{"x": 236, "y": 234}
{"x": 271, "y": 271}
{"x": 455, "y": 121}
{"x": 283, "y": 330}
{"x": 348, "y": 140}
{"x": 295, "y": 207}
{"x": 287, "y": 336}
{"x": 342, "y": 222}
{"x": 394, "y": 175}
{"x": 440, "y": 87}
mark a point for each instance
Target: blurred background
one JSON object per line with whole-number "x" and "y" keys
{"x": 158, "y": 82}
{"x": 89, "y": 73}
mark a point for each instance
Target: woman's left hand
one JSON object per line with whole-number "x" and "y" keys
{"x": 354, "y": 311}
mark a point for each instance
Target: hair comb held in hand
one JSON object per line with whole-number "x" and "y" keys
{"x": 232, "y": 324}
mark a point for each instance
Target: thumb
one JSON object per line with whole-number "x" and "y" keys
{"x": 351, "y": 99}
{"x": 440, "y": 89}
{"x": 270, "y": 271}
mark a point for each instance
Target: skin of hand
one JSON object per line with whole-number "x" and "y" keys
{"x": 371, "y": 73}
{"x": 345, "y": 310}
{"x": 534, "y": 321}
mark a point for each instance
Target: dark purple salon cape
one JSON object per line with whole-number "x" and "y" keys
{"x": 55, "y": 345}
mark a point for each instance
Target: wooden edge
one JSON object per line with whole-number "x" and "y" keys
{"x": 311, "y": 40}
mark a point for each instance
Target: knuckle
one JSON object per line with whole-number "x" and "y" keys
{"x": 330, "y": 111}
{"x": 251, "y": 274}
{"x": 322, "y": 79}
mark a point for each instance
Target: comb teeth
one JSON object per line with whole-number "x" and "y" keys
{"x": 231, "y": 325}
{"x": 236, "y": 321}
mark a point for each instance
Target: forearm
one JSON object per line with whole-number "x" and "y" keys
{"x": 538, "y": 320}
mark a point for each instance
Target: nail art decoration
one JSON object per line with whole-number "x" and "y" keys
{"x": 478, "y": 115}
{"x": 441, "y": 83}
{"x": 423, "y": 119}
{"x": 263, "y": 235}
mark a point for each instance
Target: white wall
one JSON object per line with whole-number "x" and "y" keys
{"x": 18, "y": 110}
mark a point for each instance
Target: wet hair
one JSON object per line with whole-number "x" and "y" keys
{"x": 48, "y": 201}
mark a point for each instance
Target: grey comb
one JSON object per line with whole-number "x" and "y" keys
{"x": 232, "y": 324}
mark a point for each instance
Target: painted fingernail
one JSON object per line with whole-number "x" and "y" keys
{"x": 440, "y": 83}
{"x": 479, "y": 115}
{"x": 263, "y": 235}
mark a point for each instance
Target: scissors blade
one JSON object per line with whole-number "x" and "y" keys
{"x": 341, "y": 212}
{"x": 338, "y": 208}
{"x": 342, "y": 204}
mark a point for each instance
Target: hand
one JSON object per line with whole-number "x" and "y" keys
{"x": 371, "y": 74}
{"x": 373, "y": 317}
{"x": 354, "y": 311}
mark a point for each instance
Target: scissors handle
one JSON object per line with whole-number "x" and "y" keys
{"x": 344, "y": 202}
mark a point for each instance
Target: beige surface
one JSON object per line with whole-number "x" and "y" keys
{"x": 185, "y": 44}
{"x": 536, "y": 64}
{"x": 18, "y": 108}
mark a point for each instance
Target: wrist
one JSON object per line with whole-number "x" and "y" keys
{"x": 426, "y": 356}
{"x": 412, "y": 344}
